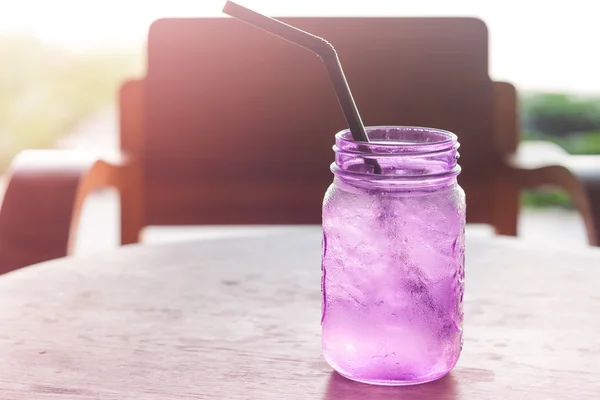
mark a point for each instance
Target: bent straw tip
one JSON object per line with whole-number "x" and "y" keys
{"x": 229, "y": 5}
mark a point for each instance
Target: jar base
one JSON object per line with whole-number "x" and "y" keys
{"x": 384, "y": 382}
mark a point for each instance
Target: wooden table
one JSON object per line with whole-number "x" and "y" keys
{"x": 239, "y": 319}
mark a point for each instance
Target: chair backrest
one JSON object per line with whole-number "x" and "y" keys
{"x": 238, "y": 124}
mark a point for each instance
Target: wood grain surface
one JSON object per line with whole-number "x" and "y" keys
{"x": 239, "y": 319}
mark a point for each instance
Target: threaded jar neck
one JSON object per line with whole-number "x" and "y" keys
{"x": 397, "y": 156}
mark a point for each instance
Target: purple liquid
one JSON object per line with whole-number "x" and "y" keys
{"x": 393, "y": 273}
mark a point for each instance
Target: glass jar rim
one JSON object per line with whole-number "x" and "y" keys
{"x": 419, "y": 140}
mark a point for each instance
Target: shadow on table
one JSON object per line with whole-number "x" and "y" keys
{"x": 342, "y": 388}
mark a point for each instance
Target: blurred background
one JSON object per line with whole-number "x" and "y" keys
{"x": 63, "y": 60}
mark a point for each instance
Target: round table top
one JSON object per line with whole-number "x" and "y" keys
{"x": 239, "y": 319}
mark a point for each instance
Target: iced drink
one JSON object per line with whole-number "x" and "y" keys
{"x": 393, "y": 257}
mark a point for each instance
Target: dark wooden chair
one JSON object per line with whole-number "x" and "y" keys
{"x": 231, "y": 125}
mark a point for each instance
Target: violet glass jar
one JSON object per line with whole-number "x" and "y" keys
{"x": 393, "y": 257}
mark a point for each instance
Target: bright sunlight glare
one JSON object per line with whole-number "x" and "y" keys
{"x": 536, "y": 44}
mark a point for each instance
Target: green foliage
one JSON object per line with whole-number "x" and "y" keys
{"x": 571, "y": 122}
{"x": 581, "y": 143}
{"x": 546, "y": 198}
{"x": 45, "y": 92}
{"x": 560, "y": 115}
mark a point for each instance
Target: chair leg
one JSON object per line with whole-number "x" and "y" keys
{"x": 131, "y": 206}
{"x": 506, "y": 209}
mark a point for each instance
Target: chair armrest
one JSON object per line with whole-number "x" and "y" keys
{"x": 539, "y": 163}
{"x": 43, "y": 196}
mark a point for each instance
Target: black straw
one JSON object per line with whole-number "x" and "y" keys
{"x": 318, "y": 45}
